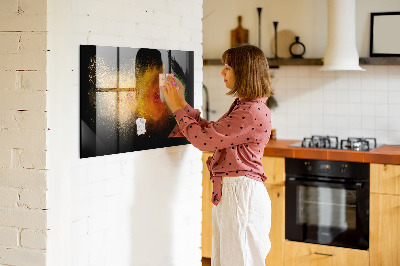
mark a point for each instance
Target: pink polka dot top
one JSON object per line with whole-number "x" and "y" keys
{"x": 238, "y": 139}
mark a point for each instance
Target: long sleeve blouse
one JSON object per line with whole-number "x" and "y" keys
{"x": 238, "y": 139}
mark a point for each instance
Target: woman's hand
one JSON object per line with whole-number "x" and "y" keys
{"x": 181, "y": 92}
{"x": 174, "y": 94}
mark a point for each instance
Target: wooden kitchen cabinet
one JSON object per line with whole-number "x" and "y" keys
{"x": 305, "y": 254}
{"x": 384, "y": 236}
{"x": 277, "y": 233}
{"x": 385, "y": 215}
{"x": 385, "y": 178}
{"x": 274, "y": 168}
{"x": 206, "y": 225}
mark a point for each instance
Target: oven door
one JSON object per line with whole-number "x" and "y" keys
{"x": 327, "y": 213}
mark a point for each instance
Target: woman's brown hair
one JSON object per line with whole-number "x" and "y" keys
{"x": 250, "y": 66}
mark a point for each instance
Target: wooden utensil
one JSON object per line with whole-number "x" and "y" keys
{"x": 239, "y": 35}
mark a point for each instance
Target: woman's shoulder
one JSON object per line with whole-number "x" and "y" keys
{"x": 257, "y": 110}
{"x": 257, "y": 104}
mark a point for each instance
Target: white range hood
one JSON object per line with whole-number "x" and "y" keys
{"x": 341, "y": 51}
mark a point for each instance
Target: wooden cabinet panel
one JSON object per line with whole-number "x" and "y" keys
{"x": 384, "y": 230}
{"x": 274, "y": 168}
{"x": 277, "y": 233}
{"x": 206, "y": 226}
{"x": 304, "y": 254}
{"x": 385, "y": 178}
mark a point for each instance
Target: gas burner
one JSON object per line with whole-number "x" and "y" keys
{"x": 332, "y": 142}
{"x": 327, "y": 142}
{"x": 358, "y": 144}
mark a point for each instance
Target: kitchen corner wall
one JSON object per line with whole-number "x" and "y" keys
{"x": 339, "y": 103}
{"x": 138, "y": 208}
{"x": 311, "y": 102}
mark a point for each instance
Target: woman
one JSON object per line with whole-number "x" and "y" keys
{"x": 242, "y": 211}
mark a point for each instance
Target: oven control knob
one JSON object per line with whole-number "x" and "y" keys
{"x": 343, "y": 168}
{"x": 308, "y": 166}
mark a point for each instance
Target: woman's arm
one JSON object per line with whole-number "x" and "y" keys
{"x": 174, "y": 93}
{"x": 239, "y": 127}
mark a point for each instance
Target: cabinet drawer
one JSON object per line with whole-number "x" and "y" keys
{"x": 297, "y": 253}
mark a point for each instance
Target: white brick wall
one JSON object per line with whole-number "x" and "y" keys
{"x": 34, "y": 239}
{"x": 23, "y": 132}
{"x": 140, "y": 208}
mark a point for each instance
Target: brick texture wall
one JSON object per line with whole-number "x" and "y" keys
{"x": 23, "y": 126}
{"x": 139, "y": 208}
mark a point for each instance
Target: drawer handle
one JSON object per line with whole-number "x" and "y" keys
{"x": 324, "y": 254}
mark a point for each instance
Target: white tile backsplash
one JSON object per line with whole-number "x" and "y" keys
{"x": 343, "y": 103}
{"x": 394, "y": 124}
{"x": 394, "y": 110}
{"x": 394, "y": 97}
{"x": 381, "y": 110}
{"x": 381, "y": 84}
{"x": 381, "y": 97}
{"x": 367, "y": 96}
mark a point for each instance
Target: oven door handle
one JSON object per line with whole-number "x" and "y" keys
{"x": 352, "y": 185}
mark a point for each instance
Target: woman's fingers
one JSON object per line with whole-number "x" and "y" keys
{"x": 164, "y": 90}
{"x": 179, "y": 88}
{"x": 179, "y": 84}
{"x": 169, "y": 87}
{"x": 172, "y": 89}
{"x": 173, "y": 94}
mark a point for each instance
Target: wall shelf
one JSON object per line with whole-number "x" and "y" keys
{"x": 380, "y": 61}
{"x": 274, "y": 63}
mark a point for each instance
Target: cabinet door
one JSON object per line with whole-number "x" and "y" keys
{"x": 385, "y": 178}
{"x": 206, "y": 232}
{"x": 277, "y": 233}
{"x": 384, "y": 230}
{"x": 304, "y": 254}
{"x": 274, "y": 168}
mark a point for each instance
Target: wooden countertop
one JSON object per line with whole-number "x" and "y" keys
{"x": 389, "y": 154}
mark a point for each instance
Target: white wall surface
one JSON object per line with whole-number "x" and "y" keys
{"x": 306, "y": 19}
{"x": 311, "y": 102}
{"x": 139, "y": 208}
{"x": 343, "y": 104}
{"x": 23, "y": 215}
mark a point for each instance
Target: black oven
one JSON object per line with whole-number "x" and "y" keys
{"x": 327, "y": 202}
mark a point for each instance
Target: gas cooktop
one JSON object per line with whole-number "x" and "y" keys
{"x": 332, "y": 142}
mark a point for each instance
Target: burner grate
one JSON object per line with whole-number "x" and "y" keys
{"x": 332, "y": 142}
{"x": 358, "y": 144}
{"x": 327, "y": 142}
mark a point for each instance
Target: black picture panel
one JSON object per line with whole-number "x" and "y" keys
{"x": 120, "y": 106}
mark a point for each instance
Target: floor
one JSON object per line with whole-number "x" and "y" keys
{"x": 206, "y": 261}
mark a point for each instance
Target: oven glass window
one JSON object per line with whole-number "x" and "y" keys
{"x": 326, "y": 207}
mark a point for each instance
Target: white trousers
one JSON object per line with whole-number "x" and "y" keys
{"x": 241, "y": 223}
